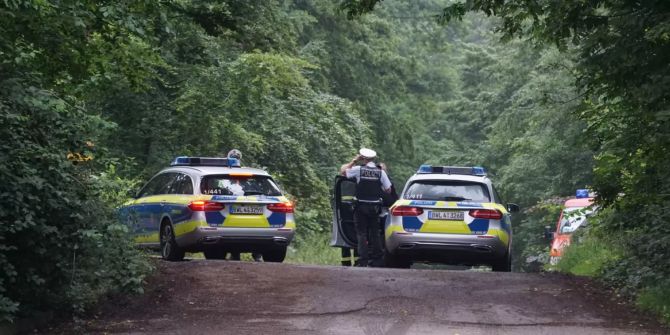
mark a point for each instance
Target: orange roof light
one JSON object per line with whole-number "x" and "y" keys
{"x": 240, "y": 174}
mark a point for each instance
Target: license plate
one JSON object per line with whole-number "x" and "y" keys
{"x": 455, "y": 216}
{"x": 251, "y": 210}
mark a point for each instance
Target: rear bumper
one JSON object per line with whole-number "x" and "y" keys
{"x": 236, "y": 239}
{"x": 447, "y": 248}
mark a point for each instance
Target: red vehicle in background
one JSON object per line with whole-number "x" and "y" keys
{"x": 574, "y": 215}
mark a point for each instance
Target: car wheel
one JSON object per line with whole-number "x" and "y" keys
{"x": 215, "y": 254}
{"x": 275, "y": 255}
{"x": 396, "y": 261}
{"x": 169, "y": 249}
{"x": 504, "y": 264}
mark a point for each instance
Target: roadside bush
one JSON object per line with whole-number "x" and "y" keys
{"x": 530, "y": 248}
{"x": 656, "y": 299}
{"x": 60, "y": 246}
{"x": 313, "y": 248}
{"x": 589, "y": 254}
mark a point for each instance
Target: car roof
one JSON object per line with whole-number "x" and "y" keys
{"x": 213, "y": 170}
{"x": 445, "y": 176}
{"x": 582, "y": 202}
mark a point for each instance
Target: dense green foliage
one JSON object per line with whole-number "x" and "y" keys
{"x": 296, "y": 86}
{"x": 622, "y": 74}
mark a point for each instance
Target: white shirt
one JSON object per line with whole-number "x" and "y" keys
{"x": 355, "y": 172}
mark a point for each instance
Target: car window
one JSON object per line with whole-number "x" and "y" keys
{"x": 447, "y": 190}
{"x": 182, "y": 185}
{"x": 153, "y": 186}
{"x": 347, "y": 190}
{"x": 158, "y": 185}
{"x": 239, "y": 185}
{"x": 573, "y": 218}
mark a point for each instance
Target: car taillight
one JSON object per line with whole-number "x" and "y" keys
{"x": 486, "y": 214}
{"x": 406, "y": 211}
{"x": 281, "y": 207}
{"x": 206, "y": 206}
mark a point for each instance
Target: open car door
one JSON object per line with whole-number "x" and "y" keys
{"x": 344, "y": 232}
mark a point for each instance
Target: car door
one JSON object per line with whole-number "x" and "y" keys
{"x": 175, "y": 203}
{"x": 150, "y": 207}
{"x": 344, "y": 232}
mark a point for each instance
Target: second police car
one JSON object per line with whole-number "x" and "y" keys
{"x": 211, "y": 205}
{"x": 445, "y": 214}
{"x": 451, "y": 215}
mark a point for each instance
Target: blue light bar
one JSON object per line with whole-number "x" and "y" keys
{"x": 478, "y": 171}
{"x": 471, "y": 171}
{"x": 205, "y": 161}
{"x": 425, "y": 168}
{"x": 582, "y": 193}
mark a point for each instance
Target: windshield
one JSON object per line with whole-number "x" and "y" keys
{"x": 239, "y": 185}
{"x": 573, "y": 218}
{"x": 447, "y": 190}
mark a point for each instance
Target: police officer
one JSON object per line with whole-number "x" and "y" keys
{"x": 371, "y": 182}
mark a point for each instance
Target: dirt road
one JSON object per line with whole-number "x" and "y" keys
{"x": 220, "y": 297}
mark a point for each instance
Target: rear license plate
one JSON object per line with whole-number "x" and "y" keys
{"x": 455, "y": 216}
{"x": 251, "y": 210}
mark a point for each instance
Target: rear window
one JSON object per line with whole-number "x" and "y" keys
{"x": 447, "y": 190}
{"x": 239, "y": 185}
{"x": 573, "y": 218}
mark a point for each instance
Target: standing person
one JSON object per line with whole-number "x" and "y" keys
{"x": 371, "y": 182}
{"x": 235, "y": 256}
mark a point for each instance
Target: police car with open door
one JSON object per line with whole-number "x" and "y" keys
{"x": 450, "y": 215}
{"x": 211, "y": 205}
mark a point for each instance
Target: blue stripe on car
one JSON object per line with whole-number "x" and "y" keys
{"x": 214, "y": 218}
{"x": 411, "y": 223}
{"x": 224, "y": 197}
{"x": 469, "y": 204}
{"x": 422, "y": 203}
{"x": 277, "y": 220}
{"x": 479, "y": 225}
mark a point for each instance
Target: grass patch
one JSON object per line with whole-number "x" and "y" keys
{"x": 588, "y": 257}
{"x": 313, "y": 249}
{"x": 656, "y": 299}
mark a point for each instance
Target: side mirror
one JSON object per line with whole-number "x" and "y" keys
{"x": 548, "y": 233}
{"x": 513, "y": 208}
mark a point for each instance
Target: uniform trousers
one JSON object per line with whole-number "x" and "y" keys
{"x": 366, "y": 220}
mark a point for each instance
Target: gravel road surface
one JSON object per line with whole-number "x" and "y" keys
{"x": 223, "y": 297}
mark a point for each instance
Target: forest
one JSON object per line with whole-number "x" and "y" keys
{"x": 548, "y": 96}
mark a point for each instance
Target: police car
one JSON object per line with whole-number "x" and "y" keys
{"x": 211, "y": 205}
{"x": 450, "y": 215}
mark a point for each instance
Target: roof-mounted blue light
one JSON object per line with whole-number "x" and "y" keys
{"x": 582, "y": 193}
{"x": 425, "y": 168}
{"x": 464, "y": 170}
{"x": 478, "y": 171}
{"x": 181, "y": 160}
{"x": 205, "y": 161}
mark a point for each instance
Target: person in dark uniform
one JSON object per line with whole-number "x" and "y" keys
{"x": 371, "y": 183}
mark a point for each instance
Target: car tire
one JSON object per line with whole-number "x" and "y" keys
{"x": 275, "y": 255}
{"x": 396, "y": 261}
{"x": 215, "y": 254}
{"x": 504, "y": 264}
{"x": 170, "y": 251}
